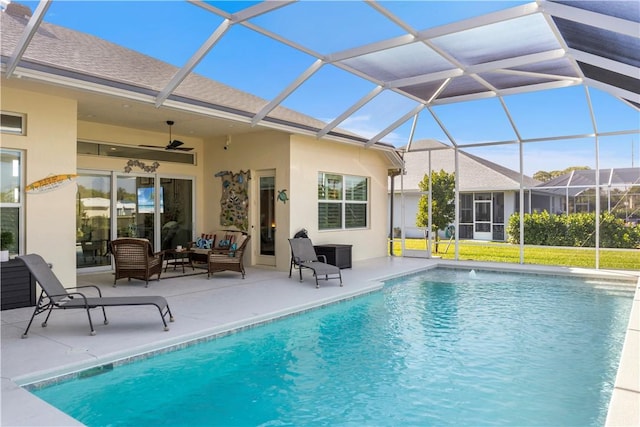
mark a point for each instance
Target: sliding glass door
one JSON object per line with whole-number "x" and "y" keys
{"x": 110, "y": 205}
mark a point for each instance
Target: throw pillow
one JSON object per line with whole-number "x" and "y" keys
{"x": 224, "y": 243}
{"x": 232, "y": 249}
{"x": 203, "y": 243}
{"x": 211, "y": 237}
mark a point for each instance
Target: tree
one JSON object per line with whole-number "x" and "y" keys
{"x": 442, "y": 202}
{"x": 545, "y": 176}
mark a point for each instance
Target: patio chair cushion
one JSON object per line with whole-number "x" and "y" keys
{"x": 200, "y": 253}
{"x": 232, "y": 260}
{"x": 205, "y": 243}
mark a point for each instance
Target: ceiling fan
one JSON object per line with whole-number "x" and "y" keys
{"x": 174, "y": 144}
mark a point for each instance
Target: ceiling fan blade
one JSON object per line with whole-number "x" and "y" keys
{"x": 174, "y": 144}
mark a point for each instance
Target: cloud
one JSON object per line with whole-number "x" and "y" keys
{"x": 364, "y": 125}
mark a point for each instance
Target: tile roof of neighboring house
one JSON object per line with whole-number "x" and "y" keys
{"x": 476, "y": 174}
{"x": 86, "y": 57}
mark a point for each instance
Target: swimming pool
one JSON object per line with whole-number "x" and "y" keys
{"x": 442, "y": 348}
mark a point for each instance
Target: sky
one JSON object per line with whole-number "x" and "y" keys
{"x": 172, "y": 31}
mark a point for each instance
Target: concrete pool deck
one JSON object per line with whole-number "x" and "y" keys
{"x": 208, "y": 307}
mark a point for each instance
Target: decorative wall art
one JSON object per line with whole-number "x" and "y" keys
{"x": 234, "y": 203}
{"x": 49, "y": 183}
{"x": 147, "y": 168}
{"x": 282, "y": 196}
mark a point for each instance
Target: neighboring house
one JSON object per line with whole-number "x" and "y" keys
{"x": 79, "y": 104}
{"x": 575, "y": 192}
{"x": 488, "y": 195}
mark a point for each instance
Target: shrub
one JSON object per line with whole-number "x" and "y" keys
{"x": 578, "y": 229}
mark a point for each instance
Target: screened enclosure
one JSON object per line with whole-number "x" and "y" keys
{"x": 530, "y": 86}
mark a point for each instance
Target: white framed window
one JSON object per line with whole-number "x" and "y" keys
{"x": 343, "y": 201}
{"x": 11, "y": 199}
{"x": 13, "y": 123}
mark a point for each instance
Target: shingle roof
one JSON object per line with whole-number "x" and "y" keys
{"x": 476, "y": 174}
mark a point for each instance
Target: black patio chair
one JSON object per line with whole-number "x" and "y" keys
{"x": 303, "y": 255}
{"x": 54, "y": 295}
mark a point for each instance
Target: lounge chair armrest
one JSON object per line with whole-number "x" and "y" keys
{"x": 66, "y": 294}
{"x": 89, "y": 286}
{"x": 322, "y": 258}
{"x": 73, "y": 294}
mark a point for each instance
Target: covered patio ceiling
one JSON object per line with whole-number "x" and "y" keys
{"x": 406, "y": 65}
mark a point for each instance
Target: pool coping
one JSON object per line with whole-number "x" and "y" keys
{"x": 624, "y": 405}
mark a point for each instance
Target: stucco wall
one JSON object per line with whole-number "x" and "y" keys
{"x": 255, "y": 152}
{"x": 50, "y": 148}
{"x": 310, "y": 156}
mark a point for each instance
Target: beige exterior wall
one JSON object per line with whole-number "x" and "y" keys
{"x": 49, "y": 149}
{"x": 256, "y": 152}
{"x": 308, "y": 157}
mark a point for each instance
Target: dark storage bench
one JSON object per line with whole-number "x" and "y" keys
{"x": 338, "y": 255}
{"x": 17, "y": 286}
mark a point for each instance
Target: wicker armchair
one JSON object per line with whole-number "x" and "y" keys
{"x": 135, "y": 258}
{"x": 228, "y": 259}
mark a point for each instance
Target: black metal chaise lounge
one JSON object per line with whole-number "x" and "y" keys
{"x": 54, "y": 295}
{"x": 303, "y": 255}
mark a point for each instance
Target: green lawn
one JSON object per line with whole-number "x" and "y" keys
{"x": 618, "y": 259}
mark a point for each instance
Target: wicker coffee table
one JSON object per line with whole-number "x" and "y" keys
{"x": 177, "y": 258}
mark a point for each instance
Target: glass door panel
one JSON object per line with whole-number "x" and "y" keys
{"x": 267, "y": 215}
{"x": 93, "y": 220}
{"x": 176, "y": 212}
{"x": 136, "y": 207}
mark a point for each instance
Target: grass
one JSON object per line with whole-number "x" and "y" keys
{"x": 618, "y": 259}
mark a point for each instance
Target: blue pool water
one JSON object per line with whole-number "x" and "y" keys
{"x": 441, "y": 348}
